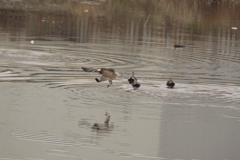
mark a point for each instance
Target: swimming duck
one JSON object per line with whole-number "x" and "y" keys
{"x": 108, "y": 74}
{"x": 136, "y": 85}
{"x": 170, "y": 83}
{"x": 102, "y": 126}
{"x": 133, "y": 80}
{"x": 178, "y": 46}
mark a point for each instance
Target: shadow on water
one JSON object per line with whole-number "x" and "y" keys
{"x": 48, "y": 103}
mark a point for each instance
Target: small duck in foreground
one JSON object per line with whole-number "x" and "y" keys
{"x": 133, "y": 81}
{"x": 178, "y": 46}
{"x": 170, "y": 83}
{"x": 102, "y": 126}
{"x": 108, "y": 74}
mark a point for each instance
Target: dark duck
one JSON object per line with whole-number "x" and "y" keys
{"x": 108, "y": 74}
{"x": 170, "y": 83}
{"x": 178, "y": 46}
{"x": 133, "y": 81}
{"x": 104, "y": 126}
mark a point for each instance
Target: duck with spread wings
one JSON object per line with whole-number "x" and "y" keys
{"x": 108, "y": 74}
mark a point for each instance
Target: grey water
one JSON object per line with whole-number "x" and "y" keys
{"x": 48, "y": 103}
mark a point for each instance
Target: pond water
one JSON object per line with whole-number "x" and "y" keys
{"x": 48, "y": 103}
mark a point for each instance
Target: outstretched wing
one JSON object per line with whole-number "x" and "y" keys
{"x": 90, "y": 69}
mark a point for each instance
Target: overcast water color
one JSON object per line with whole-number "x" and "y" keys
{"x": 49, "y": 104}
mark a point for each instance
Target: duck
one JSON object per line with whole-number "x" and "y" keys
{"x": 178, "y": 46}
{"x": 136, "y": 85}
{"x": 133, "y": 81}
{"x": 170, "y": 83}
{"x": 104, "y": 126}
{"x": 108, "y": 74}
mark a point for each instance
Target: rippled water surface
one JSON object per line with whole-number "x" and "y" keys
{"x": 48, "y": 103}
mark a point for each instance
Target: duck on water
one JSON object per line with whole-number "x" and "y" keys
{"x": 108, "y": 74}
{"x": 170, "y": 83}
{"x": 104, "y": 126}
{"x": 133, "y": 81}
{"x": 178, "y": 46}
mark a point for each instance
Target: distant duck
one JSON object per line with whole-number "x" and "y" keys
{"x": 133, "y": 81}
{"x": 108, "y": 74}
{"x": 178, "y": 46}
{"x": 103, "y": 126}
{"x": 170, "y": 83}
{"x": 136, "y": 85}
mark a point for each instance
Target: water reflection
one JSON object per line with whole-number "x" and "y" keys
{"x": 49, "y": 102}
{"x": 204, "y": 133}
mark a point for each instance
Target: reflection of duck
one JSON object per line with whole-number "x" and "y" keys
{"x": 102, "y": 126}
{"x": 178, "y": 46}
{"x": 170, "y": 83}
{"x": 108, "y": 74}
{"x": 133, "y": 80}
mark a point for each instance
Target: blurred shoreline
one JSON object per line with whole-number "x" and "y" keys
{"x": 134, "y": 18}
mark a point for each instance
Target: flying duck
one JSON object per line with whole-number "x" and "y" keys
{"x": 102, "y": 126}
{"x": 170, "y": 83}
{"x": 133, "y": 81}
{"x": 108, "y": 74}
